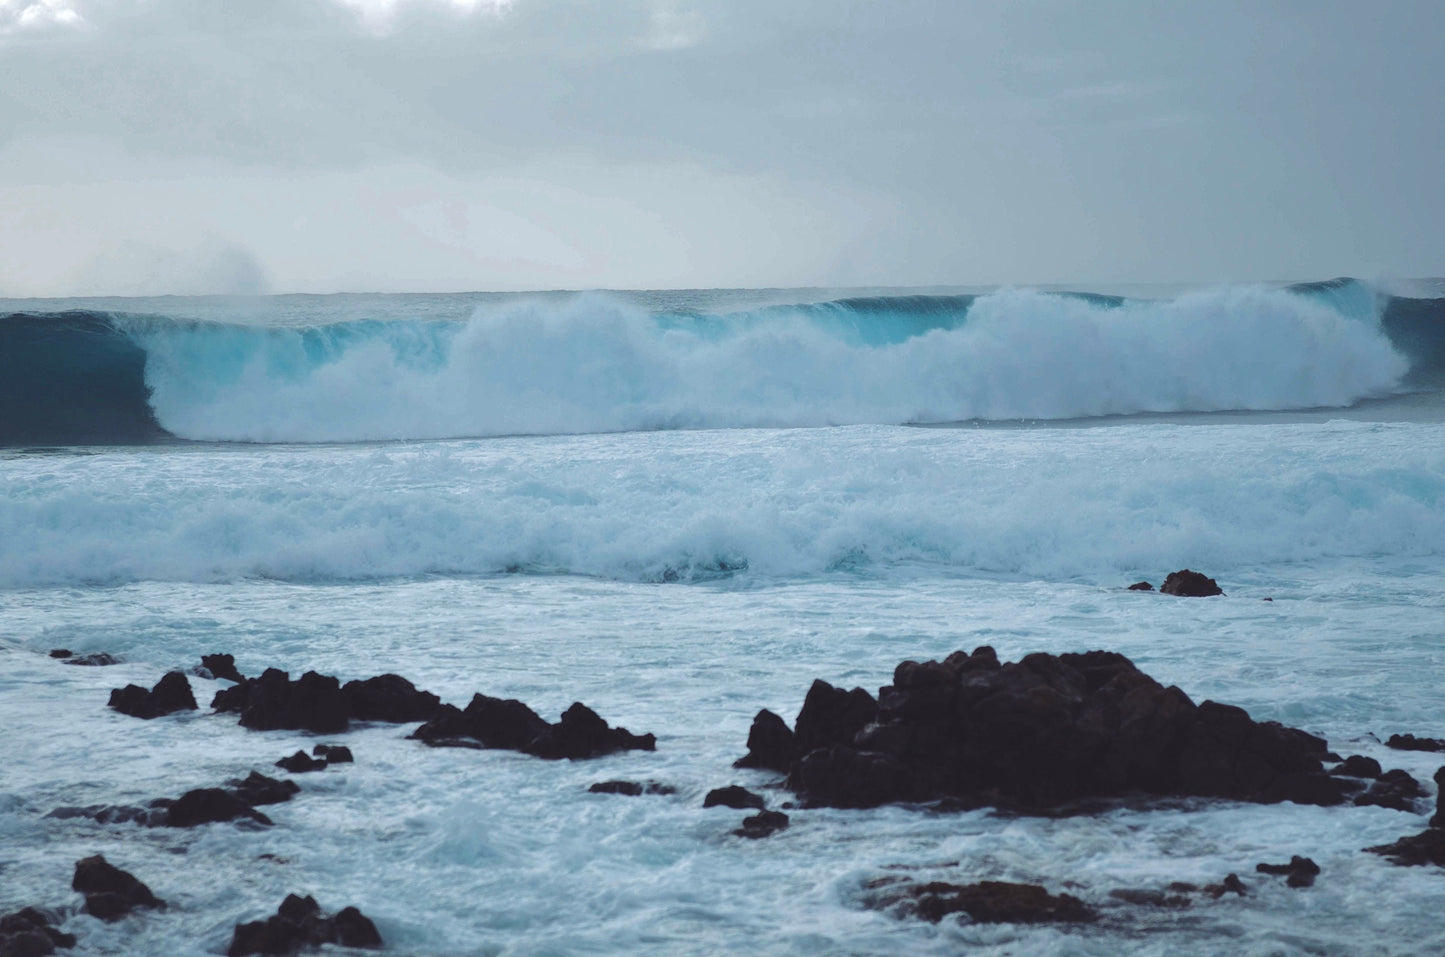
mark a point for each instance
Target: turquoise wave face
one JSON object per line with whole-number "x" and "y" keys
{"x": 597, "y": 362}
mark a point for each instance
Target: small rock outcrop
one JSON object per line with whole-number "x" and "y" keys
{"x": 631, "y": 788}
{"x": 1141, "y": 586}
{"x": 110, "y": 893}
{"x": 172, "y": 693}
{"x": 987, "y": 902}
{"x": 1427, "y": 847}
{"x": 211, "y": 805}
{"x": 256, "y": 789}
{"x": 96, "y": 659}
{"x": 763, "y": 824}
{"x": 300, "y": 763}
{"x": 299, "y": 923}
{"x": 32, "y": 931}
{"x": 1299, "y": 872}
{"x": 1188, "y": 584}
{"x": 1358, "y": 766}
{"x": 334, "y": 753}
{"x": 222, "y": 666}
{"x": 1393, "y": 789}
{"x": 390, "y": 698}
{"x": 510, "y": 725}
{"x": 1408, "y": 742}
{"x": 313, "y": 702}
{"x": 771, "y": 744}
{"x": 734, "y": 796}
{"x": 1039, "y": 733}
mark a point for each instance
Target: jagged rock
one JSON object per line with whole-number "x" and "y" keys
{"x": 390, "y": 698}
{"x": 487, "y": 722}
{"x": 762, "y": 824}
{"x": 256, "y": 789}
{"x": 313, "y": 702}
{"x": 1408, "y": 742}
{"x": 1301, "y": 871}
{"x": 1230, "y": 885}
{"x": 1438, "y": 818}
{"x": 987, "y": 902}
{"x": 222, "y": 666}
{"x": 333, "y": 753}
{"x": 1141, "y": 586}
{"x": 299, "y": 923}
{"x": 631, "y": 788}
{"x": 1188, "y": 584}
{"x": 1358, "y": 766}
{"x": 172, "y": 693}
{"x": 1039, "y": 733}
{"x": 31, "y": 931}
{"x": 208, "y": 805}
{"x": 1394, "y": 789}
{"x": 771, "y": 744}
{"x": 300, "y": 763}
{"x": 110, "y": 893}
{"x": 61, "y": 652}
{"x": 96, "y": 659}
{"x": 734, "y": 796}
{"x": 583, "y": 734}
{"x": 1427, "y": 847}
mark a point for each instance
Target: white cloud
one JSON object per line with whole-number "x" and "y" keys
{"x": 20, "y": 14}
{"x": 379, "y": 13}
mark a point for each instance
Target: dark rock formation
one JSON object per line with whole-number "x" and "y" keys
{"x": 987, "y": 902}
{"x": 1427, "y": 847}
{"x": 208, "y": 805}
{"x": 110, "y": 893}
{"x": 771, "y": 744}
{"x": 762, "y": 824}
{"x": 1438, "y": 819}
{"x": 1408, "y": 742}
{"x": 1358, "y": 766}
{"x": 1141, "y": 586}
{"x": 1039, "y": 733}
{"x": 1230, "y": 885}
{"x": 1394, "y": 789}
{"x": 154, "y": 816}
{"x": 734, "y": 796}
{"x": 1147, "y": 897}
{"x": 300, "y": 763}
{"x": 1188, "y": 584}
{"x": 31, "y": 933}
{"x": 222, "y": 666}
{"x": 172, "y": 693}
{"x": 1301, "y": 871}
{"x": 313, "y": 702}
{"x": 333, "y": 753}
{"x": 96, "y": 659}
{"x": 390, "y": 698}
{"x": 509, "y": 724}
{"x": 61, "y": 652}
{"x": 256, "y": 789}
{"x": 631, "y": 788}
{"x": 299, "y": 923}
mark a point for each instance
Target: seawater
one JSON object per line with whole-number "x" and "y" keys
{"x": 678, "y": 580}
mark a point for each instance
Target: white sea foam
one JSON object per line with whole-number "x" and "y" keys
{"x": 1089, "y": 504}
{"x": 597, "y": 364}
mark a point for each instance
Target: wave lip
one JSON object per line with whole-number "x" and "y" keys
{"x": 597, "y": 363}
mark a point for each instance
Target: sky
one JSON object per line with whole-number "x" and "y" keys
{"x": 218, "y": 146}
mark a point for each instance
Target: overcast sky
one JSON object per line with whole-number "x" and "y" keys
{"x": 152, "y": 146}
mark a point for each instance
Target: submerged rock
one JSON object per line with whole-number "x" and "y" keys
{"x": 1188, "y": 584}
{"x": 1300, "y": 871}
{"x": 300, "y": 763}
{"x": 631, "y": 788}
{"x": 96, "y": 659}
{"x": 734, "y": 796}
{"x": 32, "y": 931}
{"x": 1041, "y": 732}
{"x": 334, "y": 753}
{"x": 763, "y": 824}
{"x": 298, "y": 923}
{"x": 172, "y": 693}
{"x": 1141, "y": 586}
{"x": 210, "y": 805}
{"x": 987, "y": 902}
{"x": 1393, "y": 789}
{"x": 110, "y": 893}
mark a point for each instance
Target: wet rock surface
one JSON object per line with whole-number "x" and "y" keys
{"x": 390, "y": 698}
{"x": 734, "y": 796}
{"x": 986, "y": 902}
{"x": 1299, "y": 872}
{"x": 771, "y": 744}
{"x": 1189, "y": 584}
{"x": 222, "y": 666}
{"x": 256, "y": 789}
{"x": 509, "y": 724}
{"x": 110, "y": 893}
{"x": 313, "y": 702}
{"x": 334, "y": 753}
{"x": 32, "y": 931}
{"x": 1427, "y": 847}
{"x": 299, "y": 924}
{"x": 209, "y": 806}
{"x": 172, "y": 693}
{"x": 1041, "y": 732}
{"x": 1408, "y": 742}
{"x": 1141, "y": 586}
{"x": 96, "y": 659}
{"x": 1394, "y": 789}
{"x": 763, "y": 824}
{"x": 300, "y": 763}
{"x": 631, "y": 788}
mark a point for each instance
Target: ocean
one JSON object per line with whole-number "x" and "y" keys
{"x": 681, "y": 508}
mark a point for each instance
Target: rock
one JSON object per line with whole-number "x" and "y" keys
{"x": 1394, "y": 789}
{"x": 257, "y": 788}
{"x": 987, "y": 902}
{"x": 172, "y": 693}
{"x": 1188, "y": 584}
{"x": 1427, "y": 847}
{"x": 97, "y": 659}
{"x": 1141, "y": 586}
{"x": 631, "y": 788}
{"x": 1150, "y": 898}
{"x": 734, "y": 796}
{"x": 1358, "y": 766}
{"x": 300, "y": 763}
{"x": 582, "y": 734}
{"x": 1408, "y": 742}
{"x": 155, "y": 816}
{"x": 31, "y": 931}
{"x": 1039, "y": 733}
{"x": 208, "y": 805}
{"x": 771, "y": 744}
{"x": 1301, "y": 871}
{"x": 61, "y": 652}
{"x": 333, "y": 753}
{"x": 1230, "y": 885}
{"x": 298, "y": 923}
{"x": 110, "y": 893}
{"x": 1438, "y": 819}
{"x": 487, "y": 722}
{"x": 762, "y": 824}
{"x": 313, "y": 702}
{"x": 222, "y": 666}
{"x": 390, "y": 698}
